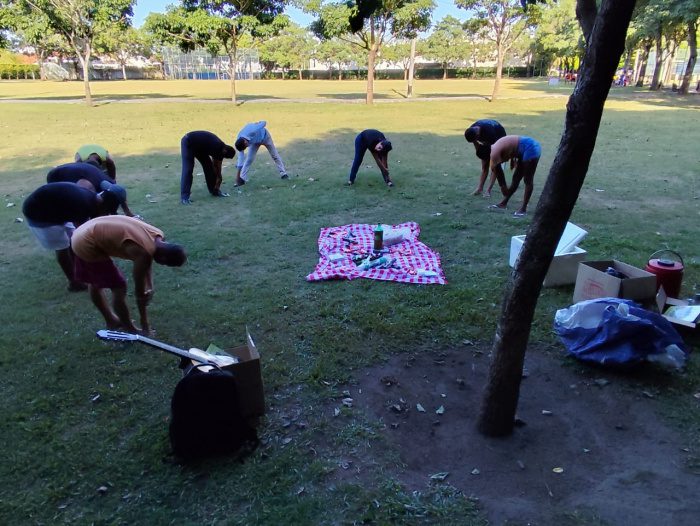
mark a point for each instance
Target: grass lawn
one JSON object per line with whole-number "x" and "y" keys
{"x": 248, "y": 257}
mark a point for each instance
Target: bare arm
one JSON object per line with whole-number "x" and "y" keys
{"x": 111, "y": 168}
{"x": 143, "y": 281}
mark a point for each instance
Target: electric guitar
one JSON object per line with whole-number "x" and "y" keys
{"x": 196, "y": 355}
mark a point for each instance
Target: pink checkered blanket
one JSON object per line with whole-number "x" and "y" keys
{"x": 344, "y": 252}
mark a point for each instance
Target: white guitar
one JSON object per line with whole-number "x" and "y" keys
{"x": 196, "y": 355}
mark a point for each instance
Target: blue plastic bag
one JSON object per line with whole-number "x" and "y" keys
{"x": 611, "y": 331}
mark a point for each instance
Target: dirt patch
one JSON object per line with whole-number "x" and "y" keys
{"x": 590, "y": 444}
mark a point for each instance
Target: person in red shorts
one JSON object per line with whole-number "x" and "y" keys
{"x": 97, "y": 241}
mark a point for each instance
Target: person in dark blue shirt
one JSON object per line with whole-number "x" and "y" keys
{"x": 379, "y": 147}
{"x": 483, "y": 133}
{"x": 210, "y": 151}
{"x": 54, "y": 210}
{"x": 92, "y": 178}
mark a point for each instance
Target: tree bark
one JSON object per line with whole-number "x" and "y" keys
{"x": 123, "y": 71}
{"x": 643, "y": 68}
{"x": 373, "y": 48}
{"x": 499, "y": 73}
{"x": 584, "y": 111}
{"x": 411, "y": 66}
{"x": 692, "y": 58}
{"x": 85, "y": 63}
{"x": 658, "y": 62}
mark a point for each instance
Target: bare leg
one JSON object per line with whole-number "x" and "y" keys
{"x": 121, "y": 309}
{"x": 65, "y": 261}
{"x": 529, "y": 168}
{"x": 497, "y": 173}
{"x": 100, "y": 301}
{"x": 517, "y": 177}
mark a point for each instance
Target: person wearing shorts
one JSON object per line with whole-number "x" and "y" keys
{"x": 100, "y": 156}
{"x": 55, "y": 209}
{"x": 523, "y": 153}
{"x": 90, "y": 176}
{"x": 210, "y": 151}
{"x": 378, "y": 146}
{"x": 483, "y": 133}
{"x": 251, "y": 137}
{"x": 99, "y": 240}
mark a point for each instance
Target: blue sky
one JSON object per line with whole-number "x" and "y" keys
{"x": 143, "y": 7}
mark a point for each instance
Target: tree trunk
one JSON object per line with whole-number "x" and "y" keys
{"x": 668, "y": 65}
{"x": 373, "y": 48}
{"x": 584, "y": 111}
{"x": 300, "y": 75}
{"x": 232, "y": 63}
{"x": 85, "y": 63}
{"x": 41, "y": 56}
{"x": 340, "y": 72}
{"x": 657, "y": 65}
{"x": 499, "y": 73}
{"x": 123, "y": 71}
{"x": 411, "y": 66}
{"x": 643, "y": 67}
{"x": 692, "y": 58}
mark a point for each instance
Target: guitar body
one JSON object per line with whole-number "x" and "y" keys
{"x": 206, "y": 419}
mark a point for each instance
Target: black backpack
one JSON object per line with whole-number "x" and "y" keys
{"x": 206, "y": 418}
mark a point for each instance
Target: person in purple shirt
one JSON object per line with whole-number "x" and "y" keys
{"x": 251, "y": 137}
{"x": 210, "y": 151}
{"x": 379, "y": 147}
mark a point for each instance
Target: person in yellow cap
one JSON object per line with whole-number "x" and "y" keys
{"x": 98, "y": 155}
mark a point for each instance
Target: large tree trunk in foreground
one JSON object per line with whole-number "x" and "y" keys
{"x": 584, "y": 111}
{"x": 692, "y": 58}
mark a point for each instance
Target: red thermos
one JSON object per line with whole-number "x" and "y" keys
{"x": 669, "y": 273}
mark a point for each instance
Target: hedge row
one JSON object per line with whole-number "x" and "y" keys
{"x": 19, "y": 71}
{"x": 398, "y": 74}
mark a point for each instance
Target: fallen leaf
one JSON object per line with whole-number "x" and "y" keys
{"x": 558, "y": 470}
{"x": 440, "y": 410}
{"x": 336, "y": 411}
{"x": 475, "y": 471}
{"x": 439, "y": 476}
{"x": 420, "y": 408}
{"x": 545, "y": 412}
{"x": 347, "y": 402}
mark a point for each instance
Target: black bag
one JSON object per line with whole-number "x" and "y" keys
{"x": 206, "y": 418}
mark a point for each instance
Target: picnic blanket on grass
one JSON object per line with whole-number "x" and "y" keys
{"x": 345, "y": 254}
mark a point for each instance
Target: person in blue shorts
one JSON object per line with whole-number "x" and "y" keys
{"x": 523, "y": 153}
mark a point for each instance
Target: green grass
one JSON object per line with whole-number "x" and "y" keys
{"x": 249, "y": 255}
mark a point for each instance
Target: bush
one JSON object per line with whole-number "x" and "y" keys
{"x": 19, "y": 71}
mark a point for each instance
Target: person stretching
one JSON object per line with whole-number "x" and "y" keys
{"x": 96, "y": 242}
{"x": 252, "y": 136}
{"x": 210, "y": 151}
{"x": 524, "y": 153}
{"x": 483, "y": 134}
{"x": 100, "y": 156}
{"x": 379, "y": 147}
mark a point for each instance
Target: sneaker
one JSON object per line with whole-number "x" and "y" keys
{"x": 219, "y": 193}
{"x": 284, "y": 176}
{"x": 239, "y": 182}
{"x": 389, "y": 183}
{"x": 350, "y": 183}
{"x": 186, "y": 201}
{"x": 518, "y": 214}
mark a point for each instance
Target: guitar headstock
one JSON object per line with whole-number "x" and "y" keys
{"x": 117, "y": 336}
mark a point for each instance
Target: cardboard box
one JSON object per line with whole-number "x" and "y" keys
{"x": 678, "y": 312}
{"x": 249, "y": 377}
{"x": 592, "y": 282}
{"x": 567, "y": 256}
{"x": 562, "y": 270}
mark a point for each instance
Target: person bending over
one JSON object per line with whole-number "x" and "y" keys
{"x": 96, "y": 242}
{"x": 251, "y": 137}
{"x": 379, "y": 147}
{"x": 524, "y": 153}
{"x": 55, "y": 209}
{"x": 483, "y": 133}
{"x": 100, "y": 156}
{"x": 210, "y": 151}
{"x": 92, "y": 178}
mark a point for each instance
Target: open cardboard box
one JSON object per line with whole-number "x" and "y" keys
{"x": 593, "y": 282}
{"x": 677, "y": 311}
{"x": 567, "y": 256}
{"x": 249, "y": 377}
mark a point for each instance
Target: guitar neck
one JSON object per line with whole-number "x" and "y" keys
{"x": 173, "y": 350}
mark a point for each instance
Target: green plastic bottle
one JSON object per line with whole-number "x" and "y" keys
{"x": 378, "y": 238}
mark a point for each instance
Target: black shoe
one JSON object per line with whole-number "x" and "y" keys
{"x": 284, "y": 176}
{"x": 389, "y": 183}
{"x": 186, "y": 201}
{"x": 238, "y": 183}
{"x": 219, "y": 193}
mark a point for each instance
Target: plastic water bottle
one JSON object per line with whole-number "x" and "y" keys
{"x": 378, "y": 238}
